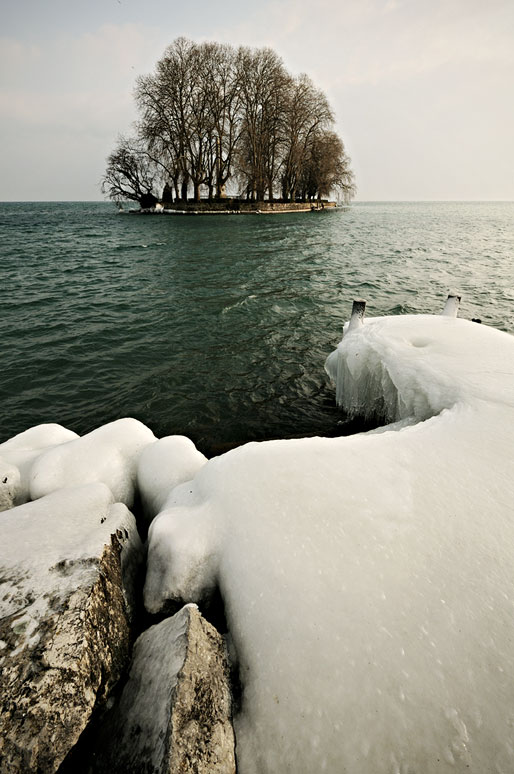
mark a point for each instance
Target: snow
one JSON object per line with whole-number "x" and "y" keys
{"x": 9, "y": 484}
{"x": 162, "y": 466}
{"x": 108, "y": 454}
{"x": 51, "y": 547}
{"x": 417, "y": 365}
{"x": 368, "y": 580}
{"x": 23, "y": 449}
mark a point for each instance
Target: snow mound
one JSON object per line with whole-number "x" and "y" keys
{"x": 23, "y": 449}
{"x": 108, "y": 454}
{"x": 162, "y": 466}
{"x": 367, "y": 580}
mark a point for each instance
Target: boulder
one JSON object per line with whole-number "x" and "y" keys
{"x": 67, "y": 565}
{"x": 174, "y": 714}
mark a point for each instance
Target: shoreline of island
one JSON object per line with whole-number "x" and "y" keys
{"x": 233, "y": 207}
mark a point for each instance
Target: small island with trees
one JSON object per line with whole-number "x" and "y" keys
{"x": 226, "y": 129}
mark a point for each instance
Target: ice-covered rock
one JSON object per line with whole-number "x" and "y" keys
{"x": 108, "y": 454}
{"x": 9, "y": 484}
{"x": 64, "y": 619}
{"x": 162, "y": 466}
{"x": 418, "y": 365}
{"x": 183, "y": 555}
{"x": 174, "y": 715}
{"x": 23, "y": 449}
{"x": 368, "y": 581}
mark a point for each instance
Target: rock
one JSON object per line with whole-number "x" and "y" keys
{"x": 64, "y": 620}
{"x": 175, "y": 711}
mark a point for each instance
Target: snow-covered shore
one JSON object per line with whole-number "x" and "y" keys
{"x": 367, "y": 581}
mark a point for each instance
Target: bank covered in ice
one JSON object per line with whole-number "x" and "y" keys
{"x": 368, "y": 581}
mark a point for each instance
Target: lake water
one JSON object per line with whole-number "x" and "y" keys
{"x": 217, "y": 327}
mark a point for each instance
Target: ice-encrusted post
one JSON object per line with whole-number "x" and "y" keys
{"x": 357, "y": 318}
{"x": 451, "y": 306}
{"x": 356, "y": 321}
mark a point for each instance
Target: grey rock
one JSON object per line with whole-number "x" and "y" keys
{"x": 64, "y": 620}
{"x": 174, "y": 714}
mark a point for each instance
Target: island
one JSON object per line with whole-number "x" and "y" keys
{"x": 219, "y": 123}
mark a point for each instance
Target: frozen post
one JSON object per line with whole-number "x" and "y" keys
{"x": 452, "y": 306}
{"x": 356, "y": 320}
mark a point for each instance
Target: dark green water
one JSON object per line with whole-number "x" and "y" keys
{"x": 217, "y": 327}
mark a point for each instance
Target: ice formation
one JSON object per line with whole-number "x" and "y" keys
{"x": 368, "y": 580}
{"x": 162, "y": 466}
{"x": 23, "y": 449}
{"x": 108, "y": 454}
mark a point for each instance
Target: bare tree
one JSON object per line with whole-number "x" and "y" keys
{"x": 223, "y": 85}
{"x": 130, "y": 174}
{"x": 307, "y": 113}
{"x": 164, "y": 100}
{"x": 327, "y": 168}
{"x": 264, "y": 83}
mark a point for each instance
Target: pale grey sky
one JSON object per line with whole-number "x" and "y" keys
{"x": 423, "y": 91}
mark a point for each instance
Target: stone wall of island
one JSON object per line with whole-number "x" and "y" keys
{"x": 236, "y": 206}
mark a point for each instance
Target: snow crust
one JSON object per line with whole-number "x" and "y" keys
{"x": 108, "y": 454}
{"x": 368, "y": 580}
{"x": 162, "y": 466}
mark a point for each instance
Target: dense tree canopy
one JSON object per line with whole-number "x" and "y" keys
{"x": 212, "y": 116}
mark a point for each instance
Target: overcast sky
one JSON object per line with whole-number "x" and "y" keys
{"x": 423, "y": 90}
